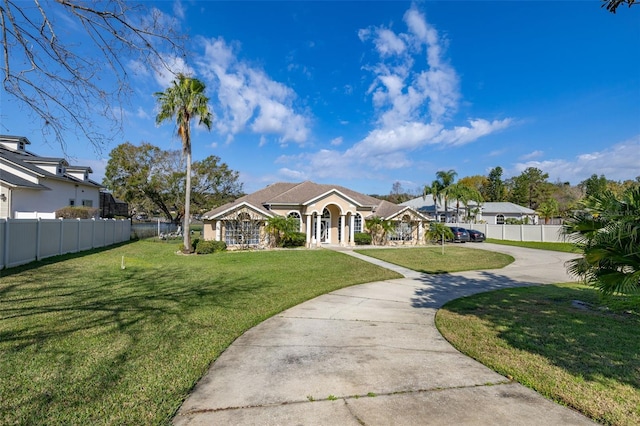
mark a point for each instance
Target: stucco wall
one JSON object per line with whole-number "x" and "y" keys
{"x": 29, "y": 200}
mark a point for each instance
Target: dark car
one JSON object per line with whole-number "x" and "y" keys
{"x": 460, "y": 235}
{"x": 476, "y": 236}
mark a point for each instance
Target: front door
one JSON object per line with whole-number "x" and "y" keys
{"x": 325, "y": 227}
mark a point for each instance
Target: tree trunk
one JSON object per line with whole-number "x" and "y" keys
{"x": 187, "y": 204}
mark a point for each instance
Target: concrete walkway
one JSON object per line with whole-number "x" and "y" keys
{"x": 371, "y": 355}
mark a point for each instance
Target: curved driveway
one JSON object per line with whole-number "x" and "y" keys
{"x": 371, "y": 355}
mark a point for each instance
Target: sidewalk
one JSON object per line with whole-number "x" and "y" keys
{"x": 371, "y": 355}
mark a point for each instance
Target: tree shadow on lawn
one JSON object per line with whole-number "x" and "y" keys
{"x": 92, "y": 337}
{"x": 119, "y": 300}
{"x": 441, "y": 288}
{"x": 592, "y": 344}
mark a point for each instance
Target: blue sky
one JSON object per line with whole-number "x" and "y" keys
{"x": 364, "y": 94}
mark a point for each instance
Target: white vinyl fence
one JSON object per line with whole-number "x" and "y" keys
{"x": 541, "y": 233}
{"x": 25, "y": 240}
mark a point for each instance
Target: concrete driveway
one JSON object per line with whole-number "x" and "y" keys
{"x": 371, "y": 355}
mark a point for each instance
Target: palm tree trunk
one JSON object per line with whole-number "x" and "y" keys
{"x": 186, "y": 241}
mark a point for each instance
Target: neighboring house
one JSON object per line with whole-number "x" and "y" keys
{"x": 32, "y": 186}
{"x": 327, "y": 214}
{"x": 497, "y": 213}
{"x": 492, "y": 213}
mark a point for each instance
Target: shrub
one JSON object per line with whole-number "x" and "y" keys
{"x": 362, "y": 239}
{"x": 77, "y": 212}
{"x": 208, "y": 247}
{"x": 295, "y": 239}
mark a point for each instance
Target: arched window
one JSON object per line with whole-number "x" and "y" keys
{"x": 357, "y": 223}
{"x": 500, "y": 219}
{"x": 297, "y": 216}
{"x": 403, "y": 230}
{"x": 243, "y": 231}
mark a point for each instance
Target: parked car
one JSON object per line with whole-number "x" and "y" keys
{"x": 476, "y": 236}
{"x": 460, "y": 235}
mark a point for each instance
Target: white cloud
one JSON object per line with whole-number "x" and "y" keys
{"x": 415, "y": 92}
{"x": 249, "y": 98}
{"x": 165, "y": 75}
{"x": 337, "y": 141}
{"x": 292, "y": 174}
{"x": 141, "y": 113}
{"x": 178, "y": 9}
{"x": 619, "y": 162}
{"x": 532, "y": 155}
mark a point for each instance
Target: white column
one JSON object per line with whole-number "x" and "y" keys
{"x": 218, "y": 235}
{"x": 420, "y": 232}
{"x": 318, "y": 223}
{"x": 309, "y": 229}
{"x": 352, "y": 223}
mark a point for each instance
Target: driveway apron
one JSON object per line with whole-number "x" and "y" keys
{"x": 371, "y": 355}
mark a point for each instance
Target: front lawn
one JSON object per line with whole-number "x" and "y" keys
{"x": 84, "y": 341}
{"x": 430, "y": 260}
{"x": 564, "y": 247}
{"x": 563, "y": 341}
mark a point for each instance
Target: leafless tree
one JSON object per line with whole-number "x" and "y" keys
{"x": 67, "y": 61}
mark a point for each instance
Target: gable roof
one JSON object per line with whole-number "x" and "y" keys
{"x": 18, "y": 182}
{"x": 304, "y": 193}
{"x": 504, "y": 207}
{"x": 28, "y": 162}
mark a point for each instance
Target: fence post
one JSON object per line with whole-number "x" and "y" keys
{"x": 78, "y": 239}
{"x": 93, "y": 232}
{"x": 38, "y": 238}
{"x": 61, "y": 235}
{"x": 6, "y": 243}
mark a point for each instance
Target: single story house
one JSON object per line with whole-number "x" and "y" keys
{"x": 32, "y": 186}
{"x": 492, "y": 213}
{"x": 327, "y": 214}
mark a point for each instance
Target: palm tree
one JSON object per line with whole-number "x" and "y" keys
{"x": 548, "y": 209}
{"x": 378, "y": 229}
{"x": 182, "y": 101}
{"x": 434, "y": 191}
{"x": 463, "y": 194}
{"x": 607, "y": 230}
{"x": 446, "y": 180}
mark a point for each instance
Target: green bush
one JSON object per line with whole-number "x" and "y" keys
{"x": 295, "y": 239}
{"x": 77, "y": 212}
{"x": 362, "y": 239}
{"x": 208, "y": 247}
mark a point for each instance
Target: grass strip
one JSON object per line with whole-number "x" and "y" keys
{"x": 83, "y": 341}
{"x": 563, "y": 247}
{"x": 430, "y": 260}
{"x": 564, "y": 341}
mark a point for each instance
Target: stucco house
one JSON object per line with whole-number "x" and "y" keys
{"x": 32, "y": 186}
{"x": 492, "y": 213}
{"x": 328, "y": 214}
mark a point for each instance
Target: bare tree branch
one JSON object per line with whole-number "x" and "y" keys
{"x": 67, "y": 62}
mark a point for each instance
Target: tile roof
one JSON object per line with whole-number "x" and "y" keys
{"x": 283, "y": 193}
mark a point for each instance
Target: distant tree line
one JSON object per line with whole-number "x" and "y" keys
{"x": 531, "y": 189}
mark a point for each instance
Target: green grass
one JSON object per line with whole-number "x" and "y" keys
{"x": 564, "y": 247}
{"x": 587, "y": 359}
{"x": 430, "y": 260}
{"x": 83, "y": 341}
